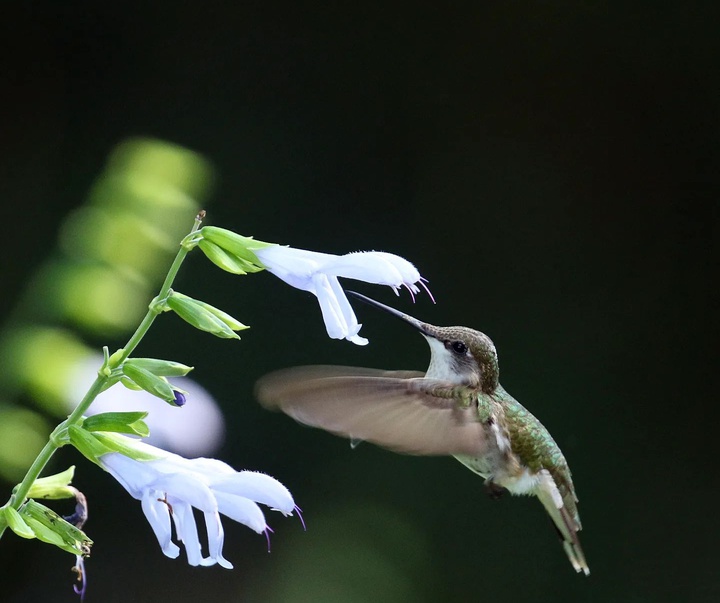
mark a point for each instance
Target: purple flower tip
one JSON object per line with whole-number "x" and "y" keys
{"x": 79, "y": 569}
{"x": 268, "y": 530}
{"x": 302, "y": 520}
{"x": 179, "y": 398}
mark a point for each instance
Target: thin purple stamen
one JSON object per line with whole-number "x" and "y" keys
{"x": 302, "y": 520}
{"x": 79, "y": 569}
{"x": 267, "y": 531}
{"x": 422, "y": 282}
{"x": 412, "y": 293}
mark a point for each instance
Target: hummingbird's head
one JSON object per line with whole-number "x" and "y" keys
{"x": 458, "y": 354}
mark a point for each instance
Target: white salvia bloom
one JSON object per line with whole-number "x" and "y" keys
{"x": 318, "y": 273}
{"x": 170, "y": 486}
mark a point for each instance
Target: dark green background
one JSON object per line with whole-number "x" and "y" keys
{"x": 546, "y": 165}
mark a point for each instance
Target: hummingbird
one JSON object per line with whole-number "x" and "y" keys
{"x": 456, "y": 408}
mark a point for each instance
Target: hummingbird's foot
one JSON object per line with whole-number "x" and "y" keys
{"x": 493, "y": 490}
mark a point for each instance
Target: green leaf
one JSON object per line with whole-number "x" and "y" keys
{"x": 161, "y": 368}
{"x": 120, "y": 422}
{"x": 53, "y": 487}
{"x": 17, "y": 523}
{"x": 157, "y": 386}
{"x": 88, "y": 444}
{"x": 49, "y": 527}
{"x": 199, "y": 316}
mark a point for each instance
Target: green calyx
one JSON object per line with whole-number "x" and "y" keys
{"x": 234, "y": 244}
{"x": 119, "y": 422}
{"x": 54, "y": 486}
{"x": 48, "y": 526}
{"x": 227, "y": 261}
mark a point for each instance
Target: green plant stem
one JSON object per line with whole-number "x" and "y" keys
{"x": 153, "y": 311}
{"x": 53, "y": 443}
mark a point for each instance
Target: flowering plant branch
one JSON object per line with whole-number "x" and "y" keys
{"x": 104, "y": 380}
{"x": 170, "y": 486}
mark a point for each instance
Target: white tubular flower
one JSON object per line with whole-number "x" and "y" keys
{"x": 318, "y": 273}
{"x": 169, "y": 486}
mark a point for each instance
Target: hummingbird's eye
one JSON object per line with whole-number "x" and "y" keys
{"x": 458, "y": 347}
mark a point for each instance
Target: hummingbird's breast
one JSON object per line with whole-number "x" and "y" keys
{"x": 498, "y": 461}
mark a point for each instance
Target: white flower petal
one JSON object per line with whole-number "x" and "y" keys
{"x": 170, "y": 486}
{"x": 186, "y": 529}
{"x": 188, "y": 488}
{"x": 368, "y": 266}
{"x": 158, "y": 516}
{"x": 216, "y": 537}
{"x": 335, "y": 321}
{"x": 294, "y": 266}
{"x": 357, "y": 340}
{"x": 260, "y": 488}
{"x": 241, "y": 509}
{"x": 204, "y": 467}
{"x": 344, "y": 307}
{"x": 132, "y": 475}
{"x": 318, "y": 272}
{"x": 338, "y": 316}
{"x": 353, "y": 326}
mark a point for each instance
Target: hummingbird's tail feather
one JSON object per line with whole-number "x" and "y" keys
{"x": 567, "y": 526}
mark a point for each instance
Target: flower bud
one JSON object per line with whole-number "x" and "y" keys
{"x": 157, "y": 386}
{"x": 161, "y": 368}
{"x": 204, "y": 316}
{"x": 119, "y": 422}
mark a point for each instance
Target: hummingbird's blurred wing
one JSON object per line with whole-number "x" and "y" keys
{"x": 399, "y": 410}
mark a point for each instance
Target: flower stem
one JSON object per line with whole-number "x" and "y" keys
{"x": 56, "y": 439}
{"x": 153, "y": 311}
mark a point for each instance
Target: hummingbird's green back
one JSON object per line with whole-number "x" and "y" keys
{"x": 536, "y": 448}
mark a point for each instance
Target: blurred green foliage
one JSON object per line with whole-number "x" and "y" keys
{"x": 549, "y": 166}
{"x": 113, "y": 251}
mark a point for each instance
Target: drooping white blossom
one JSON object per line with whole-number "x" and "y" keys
{"x": 170, "y": 486}
{"x": 318, "y": 273}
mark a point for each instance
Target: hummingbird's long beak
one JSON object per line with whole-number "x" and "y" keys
{"x": 424, "y": 328}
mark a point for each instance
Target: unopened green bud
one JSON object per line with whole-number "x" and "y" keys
{"x": 231, "y": 322}
{"x": 161, "y": 368}
{"x": 115, "y": 358}
{"x": 119, "y": 422}
{"x": 204, "y": 317}
{"x": 157, "y": 386}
